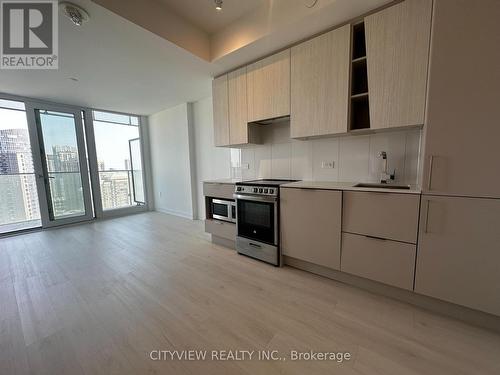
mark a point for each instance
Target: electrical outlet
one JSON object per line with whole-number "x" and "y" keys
{"x": 327, "y": 164}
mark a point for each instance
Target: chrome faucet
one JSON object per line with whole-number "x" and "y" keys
{"x": 385, "y": 176}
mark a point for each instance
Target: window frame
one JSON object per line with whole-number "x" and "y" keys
{"x": 100, "y": 212}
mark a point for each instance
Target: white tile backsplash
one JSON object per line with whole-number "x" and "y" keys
{"x": 412, "y": 157}
{"x": 355, "y": 157}
{"x": 300, "y": 160}
{"x": 325, "y": 150}
{"x": 281, "y": 160}
{"x": 263, "y": 161}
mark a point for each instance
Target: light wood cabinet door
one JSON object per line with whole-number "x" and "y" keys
{"x": 310, "y": 225}
{"x": 320, "y": 85}
{"x": 268, "y": 87}
{"x": 462, "y": 129}
{"x": 397, "y": 53}
{"x": 459, "y": 251}
{"x": 221, "y": 111}
{"x": 237, "y": 92}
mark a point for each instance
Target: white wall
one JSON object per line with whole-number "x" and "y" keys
{"x": 211, "y": 162}
{"x": 354, "y": 156}
{"x": 170, "y": 160}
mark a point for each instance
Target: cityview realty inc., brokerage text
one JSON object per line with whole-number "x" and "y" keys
{"x": 248, "y": 355}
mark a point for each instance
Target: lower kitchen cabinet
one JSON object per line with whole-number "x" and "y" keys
{"x": 221, "y": 229}
{"x": 311, "y": 225}
{"x": 386, "y": 261}
{"x": 459, "y": 251}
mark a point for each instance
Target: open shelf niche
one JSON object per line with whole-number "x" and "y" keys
{"x": 360, "y": 112}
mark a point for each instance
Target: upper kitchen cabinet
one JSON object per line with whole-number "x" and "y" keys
{"x": 268, "y": 87}
{"x": 397, "y": 54}
{"x": 221, "y": 111}
{"x": 463, "y": 113}
{"x": 320, "y": 85}
{"x": 239, "y": 131}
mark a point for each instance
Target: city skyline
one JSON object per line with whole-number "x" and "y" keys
{"x": 18, "y": 193}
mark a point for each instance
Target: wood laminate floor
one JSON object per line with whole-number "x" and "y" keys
{"x": 98, "y": 298}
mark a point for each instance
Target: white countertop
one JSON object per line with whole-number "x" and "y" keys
{"x": 229, "y": 181}
{"x": 330, "y": 185}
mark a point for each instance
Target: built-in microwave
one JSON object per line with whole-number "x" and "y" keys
{"x": 222, "y": 209}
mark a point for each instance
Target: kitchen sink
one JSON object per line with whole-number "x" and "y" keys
{"x": 382, "y": 186}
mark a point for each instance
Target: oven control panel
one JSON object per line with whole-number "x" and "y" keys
{"x": 256, "y": 190}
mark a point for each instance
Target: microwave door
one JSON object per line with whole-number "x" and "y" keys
{"x": 221, "y": 209}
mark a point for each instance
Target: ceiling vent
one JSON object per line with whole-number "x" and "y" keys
{"x": 75, "y": 13}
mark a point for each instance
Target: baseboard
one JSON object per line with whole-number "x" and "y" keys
{"x": 462, "y": 313}
{"x": 175, "y": 213}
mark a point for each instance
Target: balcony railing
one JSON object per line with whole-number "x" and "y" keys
{"x": 116, "y": 189}
{"x": 18, "y": 202}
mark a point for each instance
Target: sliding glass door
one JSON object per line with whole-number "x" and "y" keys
{"x": 61, "y": 164}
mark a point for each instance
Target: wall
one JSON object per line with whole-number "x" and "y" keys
{"x": 355, "y": 157}
{"x": 171, "y": 161}
{"x": 211, "y": 162}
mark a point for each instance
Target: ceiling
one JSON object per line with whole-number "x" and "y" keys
{"x": 123, "y": 67}
{"x": 203, "y": 15}
{"x": 119, "y": 66}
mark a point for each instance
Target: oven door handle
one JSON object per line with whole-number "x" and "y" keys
{"x": 255, "y": 198}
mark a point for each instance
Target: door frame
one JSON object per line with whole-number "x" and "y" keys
{"x": 40, "y": 167}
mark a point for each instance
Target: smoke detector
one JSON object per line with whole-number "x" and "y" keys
{"x": 75, "y": 13}
{"x": 309, "y": 3}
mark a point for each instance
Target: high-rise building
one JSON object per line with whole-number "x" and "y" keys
{"x": 115, "y": 189}
{"x": 18, "y": 194}
{"x": 65, "y": 182}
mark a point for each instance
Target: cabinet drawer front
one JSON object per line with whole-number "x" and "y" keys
{"x": 386, "y": 215}
{"x": 310, "y": 225}
{"x": 386, "y": 261}
{"x": 218, "y": 190}
{"x": 221, "y": 229}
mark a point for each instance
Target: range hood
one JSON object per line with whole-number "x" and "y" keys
{"x": 271, "y": 120}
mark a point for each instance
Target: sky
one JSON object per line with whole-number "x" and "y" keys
{"x": 10, "y": 119}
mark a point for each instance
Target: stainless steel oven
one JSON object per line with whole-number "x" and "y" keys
{"x": 223, "y": 209}
{"x": 257, "y": 219}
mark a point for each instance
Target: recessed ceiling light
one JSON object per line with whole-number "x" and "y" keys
{"x": 218, "y": 4}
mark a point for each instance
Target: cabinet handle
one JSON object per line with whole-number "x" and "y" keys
{"x": 426, "y": 229}
{"x": 376, "y": 238}
{"x": 255, "y": 245}
{"x": 431, "y": 163}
